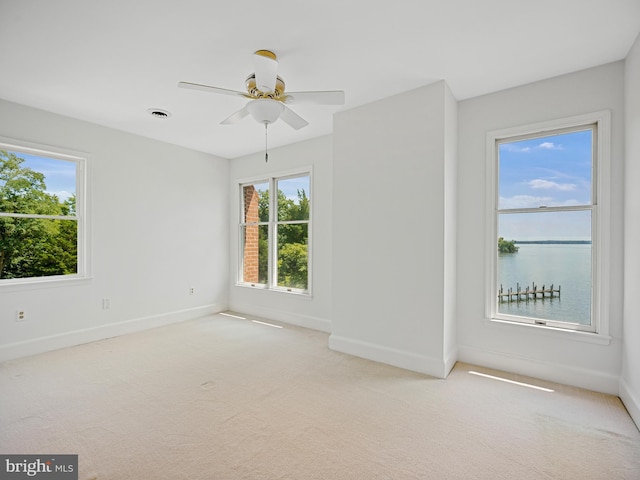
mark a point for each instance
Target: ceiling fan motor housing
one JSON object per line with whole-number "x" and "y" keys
{"x": 254, "y": 91}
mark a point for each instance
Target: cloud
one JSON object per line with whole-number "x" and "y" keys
{"x": 509, "y": 147}
{"x": 567, "y": 203}
{"x": 541, "y": 184}
{"x": 523, "y": 201}
{"x": 550, "y": 146}
{"x": 62, "y": 195}
{"x": 515, "y": 148}
{"x": 531, "y": 201}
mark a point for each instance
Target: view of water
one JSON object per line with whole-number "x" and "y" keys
{"x": 567, "y": 265}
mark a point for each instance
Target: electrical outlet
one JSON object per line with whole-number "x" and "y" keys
{"x": 106, "y": 303}
{"x": 192, "y": 290}
{"x": 20, "y": 315}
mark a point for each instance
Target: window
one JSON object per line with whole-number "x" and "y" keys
{"x": 274, "y": 233}
{"x": 41, "y": 214}
{"x": 548, "y": 187}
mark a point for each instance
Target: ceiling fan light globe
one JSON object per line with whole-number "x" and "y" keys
{"x": 265, "y": 110}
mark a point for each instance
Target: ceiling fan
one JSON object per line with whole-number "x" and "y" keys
{"x": 267, "y": 98}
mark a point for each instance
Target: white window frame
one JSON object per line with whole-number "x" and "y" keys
{"x": 273, "y": 223}
{"x": 81, "y": 161}
{"x": 598, "y": 331}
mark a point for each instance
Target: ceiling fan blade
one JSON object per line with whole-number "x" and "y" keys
{"x": 266, "y": 70}
{"x": 333, "y": 97}
{"x": 236, "y": 117}
{"x": 292, "y": 119}
{"x": 209, "y": 89}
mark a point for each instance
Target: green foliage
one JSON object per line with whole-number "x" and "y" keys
{"x": 292, "y": 239}
{"x": 505, "y": 246}
{"x": 288, "y": 209}
{"x": 263, "y": 205}
{"x": 292, "y": 265}
{"x": 33, "y": 247}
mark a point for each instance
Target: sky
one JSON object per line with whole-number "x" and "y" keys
{"x": 60, "y": 175}
{"x": 547, "y": 171}
{"x": 290, "y": 187}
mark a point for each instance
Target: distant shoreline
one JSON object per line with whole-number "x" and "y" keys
{"x": 554, "y": 242}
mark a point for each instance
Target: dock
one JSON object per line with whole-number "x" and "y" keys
{"x": 528, "y": 293}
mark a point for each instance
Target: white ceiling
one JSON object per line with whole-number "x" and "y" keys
{"x": 109, "y": 61}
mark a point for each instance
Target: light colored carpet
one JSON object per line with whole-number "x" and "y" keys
{"x": 226, "y": 398}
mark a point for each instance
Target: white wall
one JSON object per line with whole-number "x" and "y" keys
{"x": 529, "y": 350}
{"x": 159, "y": 216}
{"x": 392, "y": 160}
{"x": 630, "y": 382}
{"x": 308, "y": 311}
{"x": 450, "y": 340}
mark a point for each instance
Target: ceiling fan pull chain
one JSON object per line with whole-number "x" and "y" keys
{"x": 266, "y": 155}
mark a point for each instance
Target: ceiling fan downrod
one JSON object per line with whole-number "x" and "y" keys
{"x": 266, "y": 154}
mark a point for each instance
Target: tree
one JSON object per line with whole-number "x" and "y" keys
{"x": 292, "y": 251}
{"x": 505, "y": 246}
{"x": 292, "y": 265}
{"x": 33, "y": 247}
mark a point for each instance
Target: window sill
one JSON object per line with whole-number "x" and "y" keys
{"x": 576, "y": 335}
{"x": 46, "y": 282}
{"x": 264, "y": 288}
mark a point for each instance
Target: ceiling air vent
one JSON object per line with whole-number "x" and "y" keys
{"x": 158, "y": 113}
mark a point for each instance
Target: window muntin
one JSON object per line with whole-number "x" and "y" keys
{"x": 274, "y": 233}
{"x": 41, "y": 214}
{"x": 545, "y": 204}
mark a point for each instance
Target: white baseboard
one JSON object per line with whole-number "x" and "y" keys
{"x": 631, "y": 401}
{"x": 78, "y": 337}
{"x": 551, "y": 371}
{"x": 306, "y": 321}
{"x": 450, "y": 361}
{"x": 398, "y": 358}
